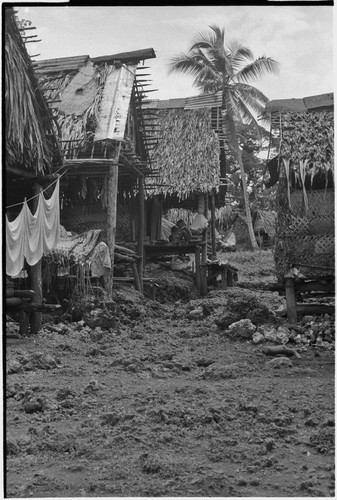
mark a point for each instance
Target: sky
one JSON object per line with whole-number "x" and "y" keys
{"x": 299, "y": 38}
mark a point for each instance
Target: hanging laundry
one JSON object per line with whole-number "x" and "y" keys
{"x": 30, "y": 236}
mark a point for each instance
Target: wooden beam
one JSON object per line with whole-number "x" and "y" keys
{"x": 112, "y": 189}
{"x": 26, "y": 174}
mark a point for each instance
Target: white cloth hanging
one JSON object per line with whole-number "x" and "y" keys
{"x": 30, "y": 236}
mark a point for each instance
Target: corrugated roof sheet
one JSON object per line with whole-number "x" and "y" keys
{"x": 204, "y": 101}
{"x": 201, "y": 101}
{"x": 75, "y": 62}
{"x": 166, "y": 103}
{"x": 301, "y": 105}
{"x": 60, "y": 64}
{"x": 295, "y": 105}
{"x": 318, "y": 101}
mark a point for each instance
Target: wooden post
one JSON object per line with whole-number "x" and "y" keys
{"x": 291, "y": 300}
{"x": 36, "y": 276}
{"x": 213, "y": 224}
{"x": 230, "y": 277}
{"x": 112, "y": 188}
{"x": 141, "y": 230}
{"x": 204, "y": 287}
{"x": 197, "y": 268}
{"x": 136, "y": 277}
{"x": 224, "y": 278}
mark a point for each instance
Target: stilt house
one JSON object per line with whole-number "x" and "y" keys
{"x": 97, "y": 109}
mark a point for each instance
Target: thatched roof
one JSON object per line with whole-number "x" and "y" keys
{"x": 31, "y": 143}
{"x": 305, "y": 128}
{"x": 186, "y": 153}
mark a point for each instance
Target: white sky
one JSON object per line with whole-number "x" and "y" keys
{"x": 300, "y": 38}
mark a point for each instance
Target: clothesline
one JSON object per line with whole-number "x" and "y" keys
{"x": 36, "y": 195}
{"x": 29, "y": 236}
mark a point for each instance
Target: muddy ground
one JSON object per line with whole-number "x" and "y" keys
{"x": 164, "y": 405}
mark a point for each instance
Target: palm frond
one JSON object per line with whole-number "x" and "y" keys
{"x": 248, "y": 118}
{"x": 257, "y": 68}
{"x": 248, "y": 91}
{"x": 239, "y": 55}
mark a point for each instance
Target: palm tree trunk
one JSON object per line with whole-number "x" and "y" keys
{"x": 236, "y": 145}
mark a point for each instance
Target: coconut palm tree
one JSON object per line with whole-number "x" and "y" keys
{"x": 216, "y": 66}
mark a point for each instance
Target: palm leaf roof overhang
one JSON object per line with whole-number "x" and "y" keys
{"x": 96, "y": 79}
{"x": 187, "y": 147}
{"x": 32, "y": 146}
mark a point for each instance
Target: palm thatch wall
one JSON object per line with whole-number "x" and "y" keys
{"x": 186, "y": 154}
{"x": 31, "y": 143}
{"x": 305, "y": 196}
{"x": 76, "y": 127}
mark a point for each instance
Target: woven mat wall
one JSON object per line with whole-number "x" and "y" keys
{"x": 306, "y": 237}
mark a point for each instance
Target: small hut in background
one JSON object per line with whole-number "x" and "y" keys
{"x": 32, "y": 157}
{"x": 97, "y": 109}
{"x": 188, "y": 154}
{"x": 305, "y": 240}
{"x": 264, "y": 224}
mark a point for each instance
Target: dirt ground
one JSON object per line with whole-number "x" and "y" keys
{"x": 165, "y": 405}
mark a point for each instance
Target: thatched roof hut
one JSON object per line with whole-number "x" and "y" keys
{"x": 305, "y": 173}
{"x": 264, "y": 224}
{"x": 31, "y": 144}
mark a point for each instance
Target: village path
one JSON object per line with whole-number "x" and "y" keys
{"x": 165, "y": 406}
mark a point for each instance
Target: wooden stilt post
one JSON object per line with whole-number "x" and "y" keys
{"x": 291, "y": 300}
{"x": 197, "y": 268}
{"x": 213, "y": 224}
{"x": 204, "y": 287}
{"x": 141, "y": 230}
{"x": 112, "y": 213}
{"x": 36, "y": 277}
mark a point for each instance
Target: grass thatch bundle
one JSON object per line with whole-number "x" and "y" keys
{"x": 30, "y": 140}
{"x": 187, "y": 153}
